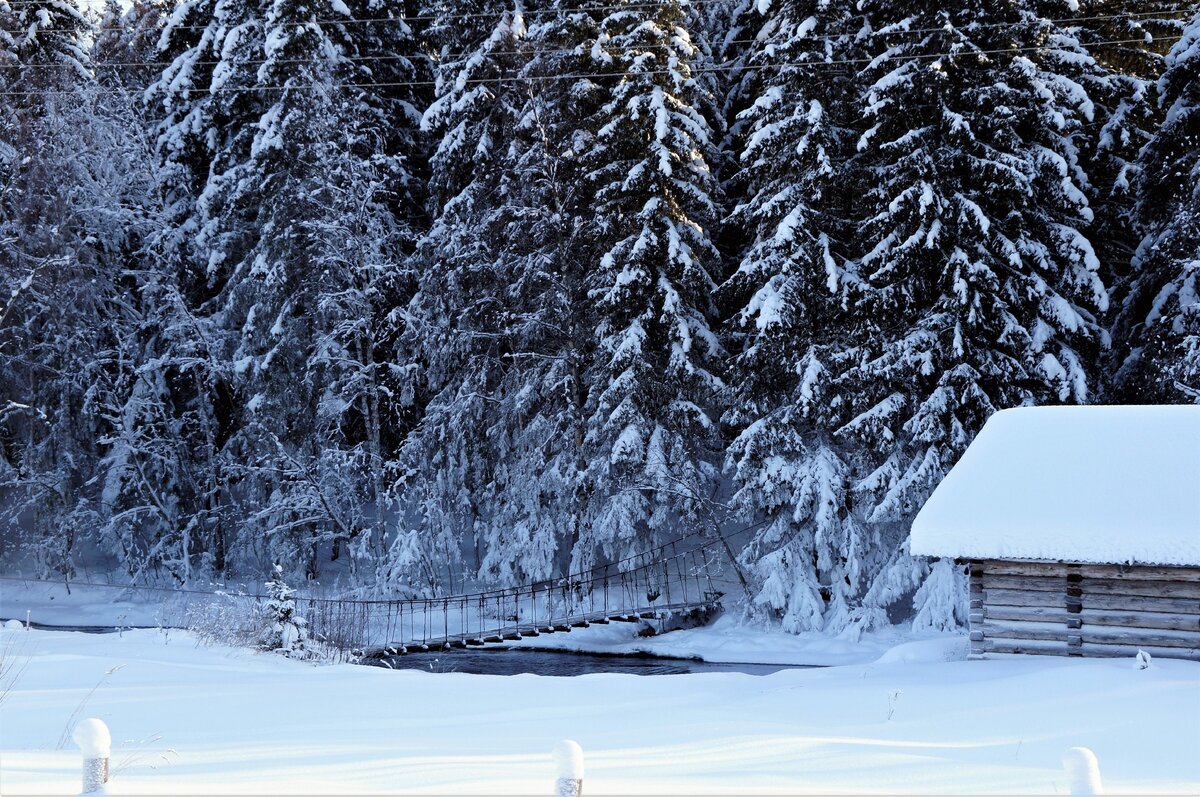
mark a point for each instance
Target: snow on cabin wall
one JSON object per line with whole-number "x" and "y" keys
{"x": 1081, "y": 484}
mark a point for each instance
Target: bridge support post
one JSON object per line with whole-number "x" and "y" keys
{"x": 569, "y": 758}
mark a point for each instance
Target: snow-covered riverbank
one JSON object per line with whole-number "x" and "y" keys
{"x": 725, "y": 640}
{"x": 188, "y": 718}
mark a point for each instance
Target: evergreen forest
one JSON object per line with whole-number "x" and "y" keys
{"x": 415, "y": 295}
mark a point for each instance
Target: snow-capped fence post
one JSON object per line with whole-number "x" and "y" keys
{"x": 1083, "y": 772}
{"x": 569, "y": 757}
{"x": 95, "y": 742}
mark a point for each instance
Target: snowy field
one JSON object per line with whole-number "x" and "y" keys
{"x": 189, "y": 719}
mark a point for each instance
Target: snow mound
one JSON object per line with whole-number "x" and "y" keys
{"x": 1100, "y": 485}
{"x": 93, "y": 738}
{"x": 568, "y": 755}
{"x": 1083, "y": 771}
{"x": 13, "y": 624}
{"x": 925, "y": 651}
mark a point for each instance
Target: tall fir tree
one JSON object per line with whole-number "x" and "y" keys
{"x": 795, "y": 138}
{"x": 456, "y": 321}
{"x": 654, "y": 383}
{"x": 1125, "y": 43}
{"x": 540, "y": 229}
{"x": 1163, "y": 305}
{"x": 126, "y": 43}
{"x": 56, "y": 290}
{"x": 981, "y": 288}
{"x": 282, "y": 131}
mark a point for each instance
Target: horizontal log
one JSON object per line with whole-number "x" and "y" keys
{"x": 1038, "y": 646}
{"x": 1006, "y": 568}
{"x": 1043, "y": 614}
{"x": 1138, "y": 637}
{"x": 1009, "y": 629}
{"x": 1035, "y": 583}
{"x": 1109, "y": 650}
{"x": 1014, "y": 597}
{"x": 1056, "y": 569}
{"x": 1131, "y": 619}
{"x": 1087, "y": 649}
{"x": 1150, "y": 589}
{"x": 1141, "y": 603}
{"x": 1125, "y": 571}
{"x": 1141, "y": 572}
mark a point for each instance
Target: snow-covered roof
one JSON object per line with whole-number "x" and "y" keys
{"x": 1100, "y": 485}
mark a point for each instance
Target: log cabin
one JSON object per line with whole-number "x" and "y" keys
{"x": 1080, "y": 529}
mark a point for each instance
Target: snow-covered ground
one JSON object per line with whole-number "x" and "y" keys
{"x": 725, "y": 640}
{"x": 190, "y": 718}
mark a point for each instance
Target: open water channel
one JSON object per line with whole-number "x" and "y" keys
{"x": 501, "y": 661}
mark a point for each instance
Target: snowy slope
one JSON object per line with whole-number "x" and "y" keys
{"x": 1084, "y": 484}
{"x": 188, "y": 719}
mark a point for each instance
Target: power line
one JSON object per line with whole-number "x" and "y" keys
{"x": 462, "y": 17}
{"x": 497, "y": 53}
{"x": 1139, "y": 15}
{"x": 577, "y": 75}
{"x": 516, "y": 52}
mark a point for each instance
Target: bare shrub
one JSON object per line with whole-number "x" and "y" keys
{"x": 226, "y": 619}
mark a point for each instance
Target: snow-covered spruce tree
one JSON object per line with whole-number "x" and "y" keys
{"x": 165, "y": 507}
{"x": 455, "y": 322}
{"x": 539, "y": 231}
{"x": 45, "y": 49}
{"x": 277, "y": 192}
{"x": 794, "y": 138}
{"x": 289, "y": 145}
{"x": 980, "y": 284}
{"x": 320, "y": 179}
{"x": 654, "y": 380}
{"x": 166, "y": 504}
{"x": 124, "y": 50}
{"x": 1124, "y": 42}
{"x": 205, "y": 107}
{"x": 1163, "y": 305}
{"x": 57, "y": 308}
{"x": 549, "y": 488}
{"x": 286, "y": 632}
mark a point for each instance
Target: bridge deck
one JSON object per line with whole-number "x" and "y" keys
{"x": 515, "y": 631}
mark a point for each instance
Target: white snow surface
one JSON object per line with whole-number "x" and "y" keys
{"x": 195, "y": 719}
{"x": 722, "y": 641}
{"x": 1116, "y": 485}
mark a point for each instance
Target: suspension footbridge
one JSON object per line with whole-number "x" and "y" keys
{"x": 672, "y": 580}
{"x": 668, "y": 581}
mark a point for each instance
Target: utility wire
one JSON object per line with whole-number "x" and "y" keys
{"x": 450, "y": 57}
{"x": 1136, "y": 16}
{"x": 579, "y": 75}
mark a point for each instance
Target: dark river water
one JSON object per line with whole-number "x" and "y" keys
{"x": 498, "y": 661}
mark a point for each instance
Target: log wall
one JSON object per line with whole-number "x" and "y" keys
{"x": 1084, "y": 610}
